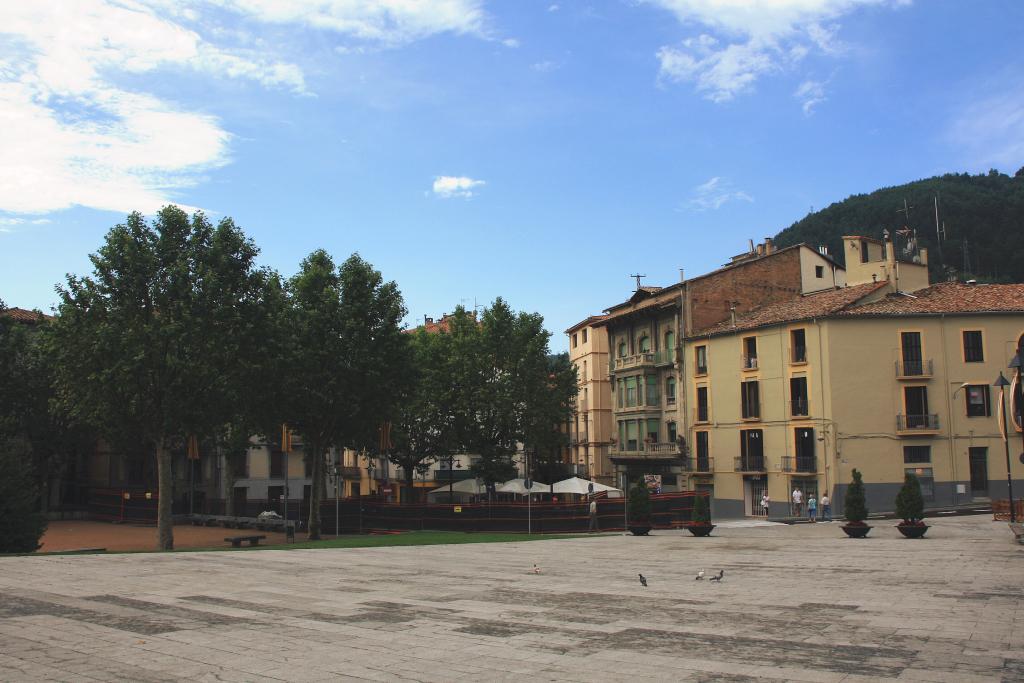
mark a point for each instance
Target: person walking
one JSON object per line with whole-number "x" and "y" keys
{"x": 812, "y": 508}
{"x": 765, "y": 502}
{"x": 798, "y": 499}
{"x": 826, "y": 508}
{"x": 593, "y": 516}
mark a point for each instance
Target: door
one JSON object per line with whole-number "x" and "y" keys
{"x": 912, "y": 359}
{"x": 917, "y": 407}
{"x": 979, "y": 472}
{"x": 753, "y": 490}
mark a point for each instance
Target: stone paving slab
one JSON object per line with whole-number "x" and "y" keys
{"x": 797, "y": 603}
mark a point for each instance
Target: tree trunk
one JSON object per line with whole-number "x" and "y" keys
{"x": 316, "y": 490}
{"x": 229, "y": 488}
{"x": 410, "y": 474}
{"x": 165, "y": 494}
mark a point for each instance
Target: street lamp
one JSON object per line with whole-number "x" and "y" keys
{"x": 338, "y": 480}
{"x": 452, "y": 464}
{"x": 1002, "y": 384}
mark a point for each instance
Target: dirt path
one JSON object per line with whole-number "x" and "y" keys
{"x": 71, "y": 535}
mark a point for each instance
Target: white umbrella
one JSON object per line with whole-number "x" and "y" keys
{"x": 465, "y": 486}
{"x": 517, "y": 486}
{"x": 580, "y": 486}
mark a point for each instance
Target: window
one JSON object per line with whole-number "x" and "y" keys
{"x": 806, "y": 459}
{"x": 910, "y": 343}
{"x": 750, "y": 400}
{"x": 749, "y": 353}
{"x": 924, "y": 475}
{"x": 631, "y": 389}
{"x": 584, "y": 371}
{"x": 670, "y": 340}
{"x": 574, "y": 344}
{"x": 703, "y": 451}
{"x": 798, "y": 345}
{"x": 670, "y": 391}
{"x": 632, "y": 440}
{"x": 751, "y": 449}
{"x": 977, "y": 400}
{"x": 276, "y": 464}
{"x": 584, "y": 335}
{"x": 651, "y": 390}
{"x": 672, "y": 434}
{"x": 622, "y": 349}
{"x": 702, "y": 404}
{"x": 863, "y": 251}
{"x": 916, "y": 401}
{"x": 652, "y": 430}
{"x": 973, "y": 352}
{"x": 644, "y": 344}
{"x": 915, "y": 454}
{"x": 701, "y": 359}
{"x": 798, "y": 395}
{"x": 619, "y": 391}
{"x": 819, "y": 271}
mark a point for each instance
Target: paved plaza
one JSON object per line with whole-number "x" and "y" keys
{"x": 796, "y": 603}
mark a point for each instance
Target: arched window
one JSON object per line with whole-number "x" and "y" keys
{"x": 644, "y": 344}
{"x": 622, "y": 349}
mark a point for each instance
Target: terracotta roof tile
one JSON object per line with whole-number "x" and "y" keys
{"x": 947, "y": 297}
{"x": 22, "y": 315}
{"x": 815, "y": 305}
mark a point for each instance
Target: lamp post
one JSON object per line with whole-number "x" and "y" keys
{"x": 336, "y": 478}
{"x": 452, "y": 464}
{"x": 1002, "y": 384}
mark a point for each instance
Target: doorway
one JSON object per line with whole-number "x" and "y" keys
{"x": 753, "y": 489}
{"x": 979, "y": 472}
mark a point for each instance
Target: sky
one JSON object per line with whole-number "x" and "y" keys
{"x": 469, "y": 149}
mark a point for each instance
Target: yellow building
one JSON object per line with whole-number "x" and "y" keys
{"x": 871, "y": 376}
{"x": 590, "y": 430}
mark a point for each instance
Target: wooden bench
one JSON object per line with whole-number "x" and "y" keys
{"x": 236, "y": 541}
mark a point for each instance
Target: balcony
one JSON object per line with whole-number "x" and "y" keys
{"x": 664, "y": 357}
{"x": 798, "y": 407}
{"x": 749, "y": 362}
{"x": 638, "y": 360}
{"x": 632, "y": 450}
{"x": 913, "y": 369}
{"x": 751, "y": 463}
{"x": 799, "y": 355}
{"x": 917, "y": 424}
{"x": 800, "y": 463}
{"x": 699, "y": 465}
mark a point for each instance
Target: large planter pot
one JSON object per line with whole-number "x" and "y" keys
{"x": 856, "y": 530}
{"x": 700, "y": 529}
{"x": 911, "y": 530}
{"x": 639, "y": 529}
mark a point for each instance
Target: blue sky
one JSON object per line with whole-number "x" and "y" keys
{"x": 539, "y": 151}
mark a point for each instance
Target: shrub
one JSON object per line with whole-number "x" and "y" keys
{"x": 854, "y": 505}
{"x": 701, "y": 513}
{"x": 639, "y": 503}
{"x": 909, "y": 502}
{"x": 21, "y": 525}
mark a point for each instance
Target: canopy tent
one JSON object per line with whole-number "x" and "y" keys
{"x": 517, "y": 486}
{"x": 467, "y": 486}
{"x": 581, "y": 486}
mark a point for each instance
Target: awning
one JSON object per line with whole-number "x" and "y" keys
{"x": 517, "y": 486}
{"x": 580, "y": 486}
{"x": 469, "y": 486}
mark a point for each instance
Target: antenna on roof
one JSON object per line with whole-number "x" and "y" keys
{"x": 637, "y": 276}
{"x": 906, "y": 212}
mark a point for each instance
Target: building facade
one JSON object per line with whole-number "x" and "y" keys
{"x": 590, "y": 428}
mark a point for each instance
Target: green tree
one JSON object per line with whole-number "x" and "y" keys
{"x": 854, "y": 505}
{"x": 909, "y": 501}
{"x": 347, "y": 361}
{"x": 639, "y": 503}
{"x": 146, "y": 346}
{"x": 701, "y": 514}
{"x": 21, "y": 523}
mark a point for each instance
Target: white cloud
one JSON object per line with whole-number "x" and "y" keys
{"x": 510, "y": 42}
{"x": 72, "y": 133}
{"x": 752, "y": 38}
{"x": 448, "y": 187}
{"x": 714, "y": 194}
{"x": 545, "y": 66}
{"x": 811, "y": 94}
{"x": 553, "y": 8}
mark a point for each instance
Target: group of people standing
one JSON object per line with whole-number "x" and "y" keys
{"x": 798, "y": 500}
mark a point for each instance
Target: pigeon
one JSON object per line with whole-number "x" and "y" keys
{"x": 536, "y": 569}
{"x": 643, "y": 581}
{"x": 700, "y": 576}
{"x": 721, "y": 573}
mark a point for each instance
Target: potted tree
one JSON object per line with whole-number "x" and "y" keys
{"x": 700, "y": 524}
{"x": 910, "y": 508}
{"x": 855, "y": 509}
{"x": 639, "y": 509}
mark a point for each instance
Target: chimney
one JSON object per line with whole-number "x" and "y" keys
{"x": 760, "y": 250}
{"x": 769, "y": 246}
{"x": 732, "y": 314}
{"x": 430, "y": 321}
{"x": 682, "y": 277}
{"x": 751, "y": 249}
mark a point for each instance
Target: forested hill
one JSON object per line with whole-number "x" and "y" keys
{"x": 984, "y": 211}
